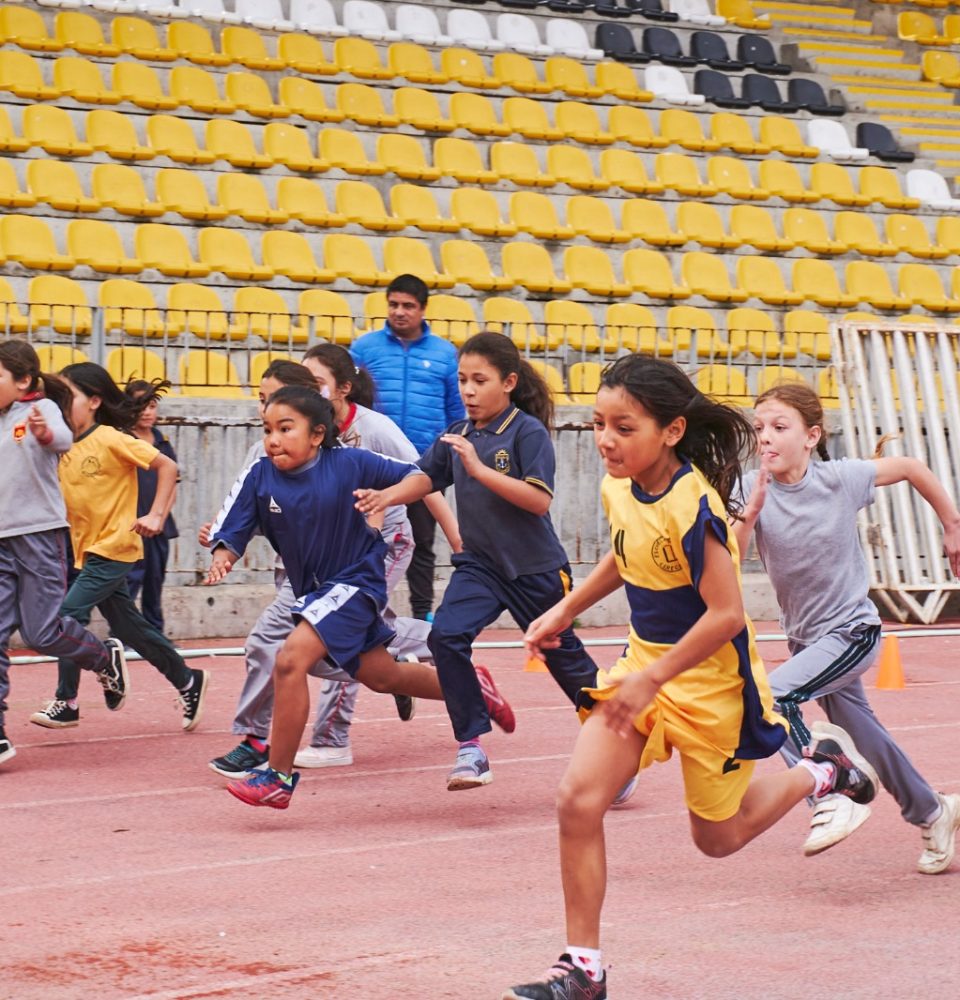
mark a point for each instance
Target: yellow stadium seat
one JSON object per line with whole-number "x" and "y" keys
{"x": 620, "y": 81}
{"x": 183, "y": 192}
{"x": 328, "y": 313}
{"x": 304, "y": 200}
{"x": 478, "y": 211}
{"x": 467, "y": 263}
{"x": 362, "y": 204}
{"x": 227, "y": 251}
{"x": 21, "y": 74}
{"x": 783, "y": 180}
{"x": 460, "y": 159}
{"x": 261, "y": 361}
{"x": 857, "y": 230}
{"x": 56, "y": 357}
{"x": 771, "y": 375}
{"x": 465, "y": 67}
{"x": 306, "y": 99}
{"x": 942, "y": 67}
{"x": 28, "y": 241}
{"x": 869, "y": 283}
{"x": 174, "y": 138}
{"x": 52, "y": 130}
{"x": 140, "y": 85}
{"x": 363, "y": 104}
{"x": 209, "y": 373}
{"x": 403, "y": 254}
{"x": 955, "y": 284}
{"x": 761, "y": 279}
{"x": 536, "y": 214}
{"x": 420, "y": 109}
{"x": 828, "y": 388}
{"x": 9, "y": 140}
{"x": 694, "y": 331}
{"x": 451, "y": 318}
{"x": 590, "y": 268}
{"x": 818, "y": 282}
{"x": 920, "y": 283}
{"x": 584, "y": 379}
{"x": 682, "y": 128}
{"x": 812, "y": 330}
{"x": 166, "y": 249}
{"x": 403, "y": 155}
{"x": 232, "y": 141}
{"x": 198, "y": 308}
{"x": 624, "y": 169}
{"x": 128, "y": 363}
{"x": 573, "y": 166}
{"x": 414, "y": 63}
{"x": 742, "y": 14}
{"x": 350, "y": 257}
{"x": 121, "y": 188}
{"x": 476, "y": 114}
{"x": 81, "y": 80}
{"x": 113, "y": 133}
{"x": 831, "y": 180}
{"x": 528, "y": 118}
{"x": 305, "y": 54}
{"x": 633, "y": 125}
{"x": 731, "y": 176}
{"x": 648, "y": 271}
{"x": 701, "y": 223}
{"x": 580, "y": 122}
{"x": 571, "y": 325}
{"x": 290, "y": 146}
{"x": 139, "y": 38}
{"x": 753, "y": 330}
{"x": 679, "y": 173}
{"x": 98, "y": 245}
{"x": 244, "y": 195}
{"x": 250, "y": 93}
{"x": 360, "y": 58}
{"x": 808, "y": 229}
{"x": 529, "y": 264}
{"x": 948, "y": 233}
{"x": 881, "y": 184}
{"x": 56, "y": 183}
{"x": 783, "y": 135}
{"x": 374, "y": 310}
{"x": 345, "y": 150}
{"x": 706, "y": 274}
{"x": 518, "y": 162}
{"x": 554, "y": 381}
{"x": 913, "y": 26}
{"x": 908, "y": 234}
{"x": 10, "y": 194}
{"x": 593, "y": 218}
{"x": 246, "y": 46}
{"x": 416, "y": 206}
{"x": 753, "y": 226}
{"x": 263, "y": 313}
{"x": 570, "y": 76}
{"x": 723, "y": 383}
{"x": 512, "y": 318}
{"x": 631, "y": 327}
{"x": 192, "y": 41}
{"x": 58, "y": 302}
{"x": 129, "y": 306}
{"x": 197, "y": 88}
{"x": 519, "y": 73}
{"x": 733, "y": 132}
{"x": 83, "y": 34}
{"x": 27, "y": 29}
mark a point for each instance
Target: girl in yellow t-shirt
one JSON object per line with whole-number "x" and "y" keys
{"x": 99, "y": 480}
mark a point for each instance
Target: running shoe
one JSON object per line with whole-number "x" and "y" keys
{"x": 57, "y": 715}
{"x": 115, "y": 680}
{"x": 265, "y": 788}
{"x": 626, "y": 793}
{"x": 406, "y": 706}
{"x": 324, "y": 757}
{"x": 471, "y": 770}
{"x": 191, "y": 700}
{"x": 240, "y": 762}
{"x": 564, "y": 981}
{"x": 939, "y": 838}
{"x": 855, "y": 777}
{"x": 498, "y": 706}
{"x": 7, "y": 749}
{"x": 834, "y": 818}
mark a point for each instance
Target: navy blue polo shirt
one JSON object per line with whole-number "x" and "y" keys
{"x": 516, "y": 541}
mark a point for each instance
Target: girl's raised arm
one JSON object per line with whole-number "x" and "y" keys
{"x": 411, "y": 488}
{"x": 743, "y": 526}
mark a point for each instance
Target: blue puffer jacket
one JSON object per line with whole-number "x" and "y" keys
{"x": 416, "y": 381}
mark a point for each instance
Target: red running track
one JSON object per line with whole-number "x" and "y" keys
{"x": 128, "y": 872}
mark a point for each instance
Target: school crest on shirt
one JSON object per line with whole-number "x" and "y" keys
{"x": 90, "y": 466}
{"x": 664, "y": 555}
{"x": 501, "y": 461}
{"x": 19, "y": 432}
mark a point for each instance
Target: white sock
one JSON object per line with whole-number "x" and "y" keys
{"x": 72, "y": 703}
{"x": 934, "y": 816}
{"x": 587, "y": 959}
{"x": 823, "y": 773}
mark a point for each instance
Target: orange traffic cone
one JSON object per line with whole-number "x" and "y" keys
{"x": 890, "y": 669}
{"x": 535, "y": 666}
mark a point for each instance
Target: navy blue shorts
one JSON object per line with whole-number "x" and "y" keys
{"x": 347, "y": 620}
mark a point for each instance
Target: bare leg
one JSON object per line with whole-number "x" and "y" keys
{"x": 302, "y": 648}
{"x": 601, "y": 763}
{"x": 381, "y": 672}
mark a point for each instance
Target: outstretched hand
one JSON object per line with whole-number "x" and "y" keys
{"x": 465, "y": 449}
{"x": 544, "y": 632}
{"x": 148, "y": 526}
{"x": 220, "y": 565}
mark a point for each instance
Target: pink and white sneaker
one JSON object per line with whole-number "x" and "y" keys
{"x": 265, "y": 788}
{"x": 498, "y": 706}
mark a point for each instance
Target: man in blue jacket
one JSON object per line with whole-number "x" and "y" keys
{"x": 417, "y": 387}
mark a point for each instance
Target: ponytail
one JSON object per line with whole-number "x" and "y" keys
{"x": 345, "y": 371}
{"x": 22, "y": 361}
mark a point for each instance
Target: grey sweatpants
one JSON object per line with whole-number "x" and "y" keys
{"x": 828, "y": 672}
{"x": 33, "y": 581}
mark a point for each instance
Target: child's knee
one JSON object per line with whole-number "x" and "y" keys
{"x": 444, "y": 643}
{"x": 578, "y": 805}
{"x": 288, "y": 665}
{"x": 711, "y": 840}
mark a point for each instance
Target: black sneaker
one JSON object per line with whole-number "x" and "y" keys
{"x": 115, "y": 680}
{"x": 7, "y": 749}
{"x": 565, "y": 981}
{"x": 241, "y": 762}
{"x": 406, "y": 706}
{"x": 855, "y": 777}
{"x": 57, "y": 715}
{"x": 191, "y": 700}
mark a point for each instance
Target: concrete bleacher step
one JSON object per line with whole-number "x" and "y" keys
{"x": 832, "y": 35}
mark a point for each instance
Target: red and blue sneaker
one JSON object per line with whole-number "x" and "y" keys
{"x": 265, "y": 788}
{"x": 497, "y": 706}
{"x": 564, "y": 981}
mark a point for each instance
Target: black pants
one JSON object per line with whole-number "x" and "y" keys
{"x": 147, "y": 574}
{"x": 420, "y": 571}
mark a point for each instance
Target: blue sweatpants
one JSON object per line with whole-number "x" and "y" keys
{"x": 477, "y": 595}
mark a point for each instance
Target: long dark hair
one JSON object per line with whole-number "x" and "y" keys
{"x": 800, "y": 397}
{"x": 718, "y": 438}
{"x": 116, "y": 408}
{"x": 346, "y": 372}
{"x": 289, "y": 373}
{"x": 22, "y": 361}
{"x": 144, "y": 392}
{"x": 530, "y": 393}
{"x": 310, "y": 404}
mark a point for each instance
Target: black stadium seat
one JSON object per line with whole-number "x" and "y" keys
{"x": 758, "y": 52}
{"x": 568, "y": 6}
{"x": 881, "y": 143}
{"x": 652, "y": 10}
{"x": 663, "y": 45}
{"x": 610, "y": 8}
{"x": 717, "y": 87}
{"x": 710, "y": 49}
{"x": 809, "y": 94}
{"x": 763, "y": 91}
{"x": 616, "y": 40}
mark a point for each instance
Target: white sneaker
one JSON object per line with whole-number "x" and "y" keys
{"x": 626, "y": 793}
{"x": 939, "y": 838}
{"x": 324, "y": 757}
{"x": 834, "y": 819}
